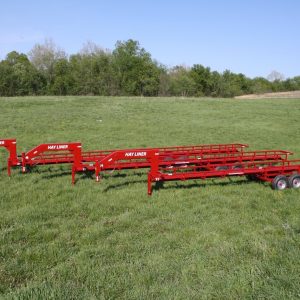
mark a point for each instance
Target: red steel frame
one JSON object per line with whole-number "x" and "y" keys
{"x": 45, "y": 154}
{"x": 139, "y": 158}
{"x": 96, "y": 160}
{"x": 11, "y": 146}
{"x": 167, "y": 163}
{"x": 258, "y": 163}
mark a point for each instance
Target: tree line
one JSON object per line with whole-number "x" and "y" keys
{"x": 127, "y": 70}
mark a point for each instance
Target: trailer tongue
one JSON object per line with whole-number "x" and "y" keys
{"x": 11, "y": 147}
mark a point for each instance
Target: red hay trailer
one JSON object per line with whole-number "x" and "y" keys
{"x": 100, "y": 160}
{"x": 165, "y": 163}
{"x": 260, "y": 165}
{"x": 139, "y": 158}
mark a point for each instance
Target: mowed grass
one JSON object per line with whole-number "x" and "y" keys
{"x": 222, "y": 239}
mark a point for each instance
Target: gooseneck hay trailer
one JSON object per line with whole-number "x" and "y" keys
{"x": 165, "y": 163}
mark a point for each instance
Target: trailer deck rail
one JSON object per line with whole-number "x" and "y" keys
{"x": 140, "y": 158}
{"x": 280, "y": 171}
{"x": 165, "y": 163}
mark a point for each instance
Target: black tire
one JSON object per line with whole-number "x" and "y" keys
{"x": 252, "y": 177}
{"x": 237, "y": 167}
{"x": 221, "y": 168}
{"x": 280, "y": 182}
{"x": 294, "y": 181}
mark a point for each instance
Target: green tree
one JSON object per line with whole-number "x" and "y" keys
{"x": 136, "y": 73}
{"x": 202, "y": 79}
{"x": 18, "y": 77}
{"x": 62, "y": 81}
{"x": 93, "y": 74}
{"x": 7, "y": 87}
{"x": 181, "y": 82}
{"x": 43, "y": 57}
{"x": 232, "y": 84}
{"x": 260, "y": 85}
{"x": 292, "y": 84}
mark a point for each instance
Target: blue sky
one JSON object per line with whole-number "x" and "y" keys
{"x": 253, "y": 37}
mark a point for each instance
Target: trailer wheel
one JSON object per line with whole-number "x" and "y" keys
{"x": 294, "y": 181}
{"x": 237, "y": 167}
{"x": 222, "y": 168}
{"x": 280, "y": 182}
{"x": 252, "y": 177}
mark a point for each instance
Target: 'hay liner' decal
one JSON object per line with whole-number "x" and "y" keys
{"x": 58, "y": 147}
{"x": 135, "y": 154}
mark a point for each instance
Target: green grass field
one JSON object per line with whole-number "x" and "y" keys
{"x": 221, "y": 239}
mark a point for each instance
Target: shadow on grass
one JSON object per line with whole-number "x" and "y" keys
{"x": 49, "y": 173}
{"x": 111, "y": 174}
{"x": 123, "y": 184}
{"x": 161, "y": 184}
{"x": 84, "y": 175}
{"x": 204, "y": 184}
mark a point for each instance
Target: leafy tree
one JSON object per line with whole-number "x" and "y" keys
{"x": 232, "y": 84}
{"x": 127, "y": 70}
{"x": 260, "y": 85}
{"x": 216, "y": 84}
{"x": 93, "y": 74}
{"x": 202, "y": 79}
{"x": 62, "y": 81}
{"x": 19, "y": 77}
{"x": 164, "y": 82}
{"x": 6, "y": 79}
{"x": 135, "y": 72}
{"x": 43, "y": 58}
{"x": 292, "y": 84}
{"x": 181, "y": 82}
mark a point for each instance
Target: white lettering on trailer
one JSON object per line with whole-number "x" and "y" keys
{"x": 58, "y": 147}
{"x": 135, "y": 154}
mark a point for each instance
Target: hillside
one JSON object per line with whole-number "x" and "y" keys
{"x": 281, "y": 95}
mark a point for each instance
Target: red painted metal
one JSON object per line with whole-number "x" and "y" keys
{"x": 264, "y": 164}
{"x": 166, "y": 163}
{"x": 139, "y": 158}
{"x": 11, "y": 146}
{"x": 53, "y": 153}
{"x": 98, "y": 160}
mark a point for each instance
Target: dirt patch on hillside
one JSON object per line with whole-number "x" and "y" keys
{"x": 294, "y": 94}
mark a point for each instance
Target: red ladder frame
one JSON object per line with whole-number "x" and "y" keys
{"x": 264, "y": 169}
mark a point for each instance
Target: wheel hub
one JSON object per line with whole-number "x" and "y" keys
{"x": 281, "y": 184}
{"x": 296, "y": 183}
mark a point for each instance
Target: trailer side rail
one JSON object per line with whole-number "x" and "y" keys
{"x": 265, "y": 170}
